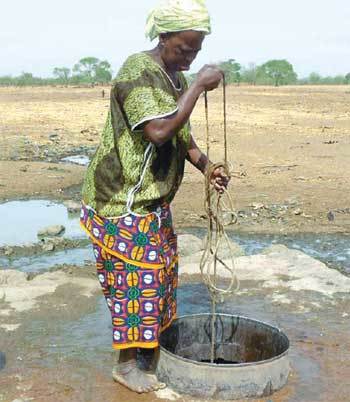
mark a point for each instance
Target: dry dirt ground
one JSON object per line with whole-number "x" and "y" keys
{"x": 289, "y": 148}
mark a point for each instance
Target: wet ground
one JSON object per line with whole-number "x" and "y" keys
{"x": 60, "y": 351}
{"x": 23, "y": 219}
{"x": 74, "y": 355}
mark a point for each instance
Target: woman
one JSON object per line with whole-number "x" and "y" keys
{"x": 134, "y": 176}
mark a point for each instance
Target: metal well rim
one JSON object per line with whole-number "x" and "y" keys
{"x": 223, "y": 366}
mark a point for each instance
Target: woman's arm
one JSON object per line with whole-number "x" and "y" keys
{"x": 159, "y": 131}
{"x": 197, "y": 158}
{"x": 219, "y": 178}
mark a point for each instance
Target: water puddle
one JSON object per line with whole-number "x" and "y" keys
{"x": 21, "y": 220}
{"x": 88, "y": 340}
{"x": 82, "y": 160}
{"x": 333, "y": 250}
{"x": 41, "y": 263}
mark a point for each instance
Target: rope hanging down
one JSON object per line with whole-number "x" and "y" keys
{"x": 220, "y": 213}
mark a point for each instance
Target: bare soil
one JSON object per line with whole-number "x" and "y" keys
{"x": 289, "y": 148}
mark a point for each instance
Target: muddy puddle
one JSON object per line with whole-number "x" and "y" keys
{"x": 21, "y": 221}
{"x": 87, "y": 342}
{"x": 44, "y": 262}
{"x": 82, "y": 160}
{"x": 78, "y": 337}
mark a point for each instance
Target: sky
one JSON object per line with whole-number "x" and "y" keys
{"x": 38, "y": 35}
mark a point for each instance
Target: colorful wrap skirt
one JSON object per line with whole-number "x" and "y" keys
{"x": 137, "y": 267}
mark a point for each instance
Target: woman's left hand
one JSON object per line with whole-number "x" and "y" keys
{"x": 219, "y": 179}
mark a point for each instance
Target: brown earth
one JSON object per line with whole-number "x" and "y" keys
{"x": 289, "y": 148}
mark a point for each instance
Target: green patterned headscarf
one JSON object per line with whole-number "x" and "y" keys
{"x": 176, "y": 16}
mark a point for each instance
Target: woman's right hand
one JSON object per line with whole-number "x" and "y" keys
{"x": 209, "y": 77}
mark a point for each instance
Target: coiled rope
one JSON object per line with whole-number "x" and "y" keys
{"x": 220, "y": 213}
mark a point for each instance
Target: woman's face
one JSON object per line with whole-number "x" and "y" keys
{"x": 178, "y": 50}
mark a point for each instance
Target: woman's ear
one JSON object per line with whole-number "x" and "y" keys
{"x": 162, "y": 39}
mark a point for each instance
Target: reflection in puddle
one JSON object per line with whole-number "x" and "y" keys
{"x": 37, "y": 263}
{"x": 333, "y": 250}
{"x": 21, "y": 220}
{"x": 82, "y": 160}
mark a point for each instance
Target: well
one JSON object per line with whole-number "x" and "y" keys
{"x": 251, "y": 357}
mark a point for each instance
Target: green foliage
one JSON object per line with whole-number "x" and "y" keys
{"x": 249, "y": 74}
{"x": 314, "y": 78}
{"x": 232, "y": 71}
{"x": 317, "y": 79}
{"x": 62, "y": 74}
{"x": 278, "y": 72}
{"x": 92, "y": 70}
{"x": 103, "y": 72}
{"x": 86, "y": 67}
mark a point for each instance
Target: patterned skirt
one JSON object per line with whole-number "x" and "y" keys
{"x": 137, "y": 267}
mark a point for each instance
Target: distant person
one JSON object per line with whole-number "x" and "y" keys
{"x": 135, "y": 175}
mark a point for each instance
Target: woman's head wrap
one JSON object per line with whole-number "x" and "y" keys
{"x": 176, "y": 16}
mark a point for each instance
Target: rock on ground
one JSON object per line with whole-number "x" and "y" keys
{"x": 280, "y": 267}
{"x": 53, "y": 230}
{"x": 188, "y": 244}
{"x": 72, "y": 206}
{"x": 22, "y": 294}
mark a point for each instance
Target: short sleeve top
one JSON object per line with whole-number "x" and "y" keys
{"x": 142, "y": 91}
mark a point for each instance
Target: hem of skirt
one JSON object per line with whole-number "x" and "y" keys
{"x": 144, "y": 345}
{"x": 121, "y": 256}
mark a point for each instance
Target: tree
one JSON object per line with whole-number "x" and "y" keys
{"x": 249, "y": 74}
{"x": 25, "y": 79}
{"x": 232, "y": 71}
{"x": 347, "y": 78}
{"x": 280, "y": 72}
{"x": 86, "y": 68}
{"x": 91, "y": 69}
{"x": 103, "y": 72}
{"x": 314, "y": 78}
{"x": 62, "y": 73}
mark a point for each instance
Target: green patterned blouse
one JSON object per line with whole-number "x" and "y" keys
{"x": 142, "y": 92}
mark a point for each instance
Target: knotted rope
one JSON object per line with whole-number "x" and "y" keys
{"x": 220, "y": 213}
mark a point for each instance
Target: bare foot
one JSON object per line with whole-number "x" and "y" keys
{"x": 135, "y": 379}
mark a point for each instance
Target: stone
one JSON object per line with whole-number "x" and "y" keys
{"x": 224, "y": 252}
{"x": 48, "y": 247}
{"x": 297, "y": 211}
{"x": 8, "y": 250}
{"x": 53, "y": 230}
{"x": 14, "y": 283}
{"x": 188, "y": 244}
{"x": 257, "y": 205}
{"x": 280, "y": 267}
{"x": 330, "y": 216}
{"x": 72, "y": 206}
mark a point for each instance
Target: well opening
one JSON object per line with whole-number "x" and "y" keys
{"x": 238, "y": 340}
{"x": 250, "y": 357}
